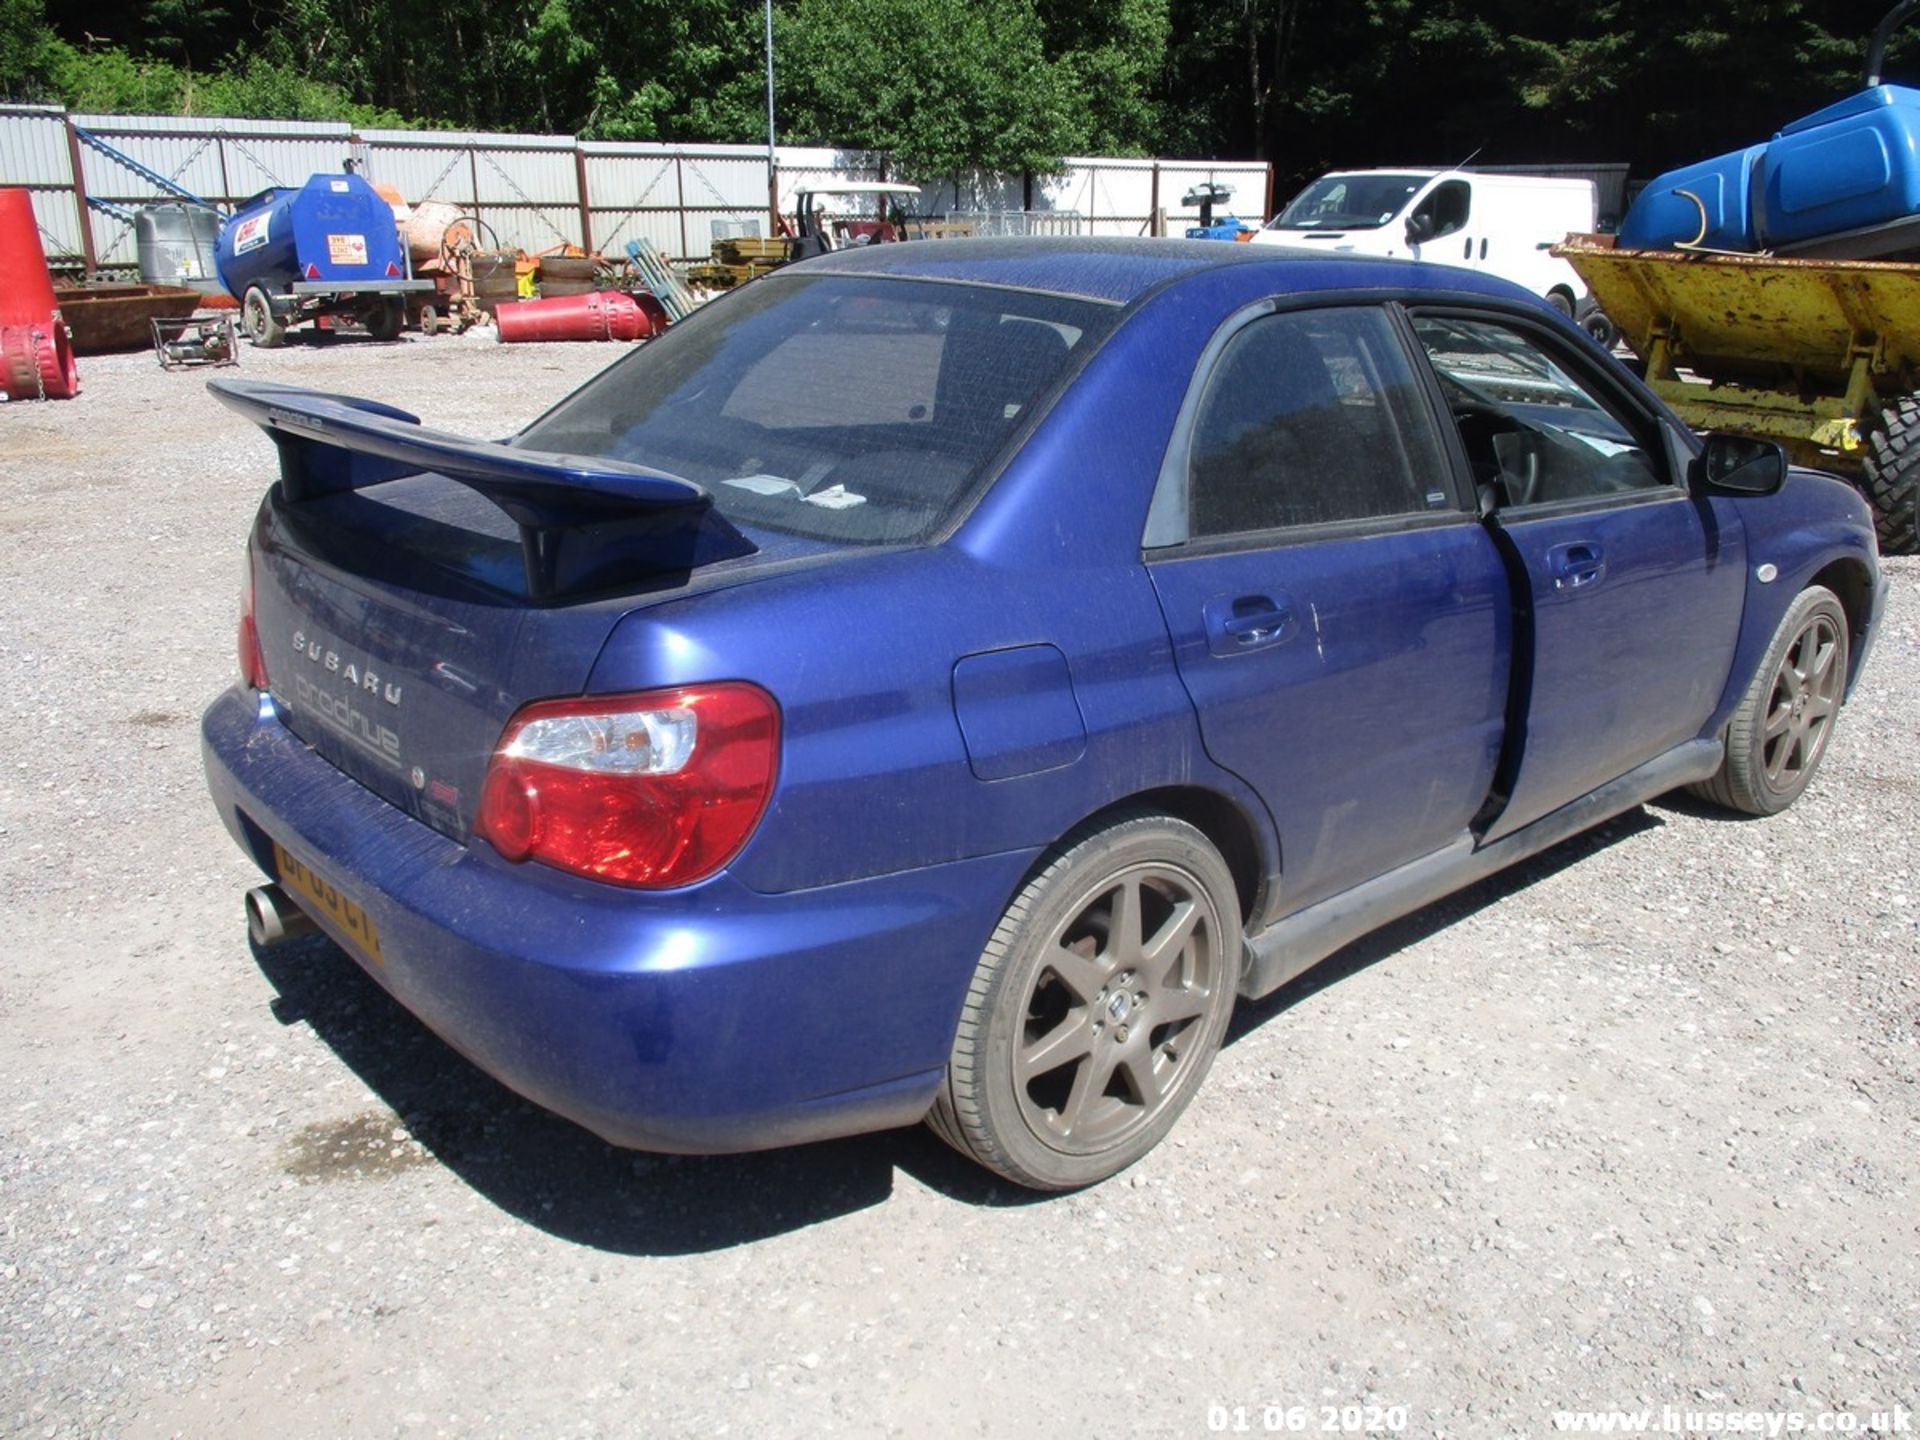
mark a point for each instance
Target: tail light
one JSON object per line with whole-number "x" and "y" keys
{"x": 651, "y": 790}
{"x": 253, "y": 663}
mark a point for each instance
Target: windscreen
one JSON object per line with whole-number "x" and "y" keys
{"x": 849, "y": 409}
{"x": 1348, "y": 202}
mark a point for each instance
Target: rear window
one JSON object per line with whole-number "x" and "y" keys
{"x": 852, "y": 410}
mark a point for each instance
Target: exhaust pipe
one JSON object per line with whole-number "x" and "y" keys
{"x": 273, "y": 918}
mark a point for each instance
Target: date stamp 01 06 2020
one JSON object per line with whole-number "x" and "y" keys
{"x": 1306, "y": 1419}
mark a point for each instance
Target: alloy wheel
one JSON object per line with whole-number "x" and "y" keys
{"x": 1800, "y": 710}
{"x": 1116, "y": 1018}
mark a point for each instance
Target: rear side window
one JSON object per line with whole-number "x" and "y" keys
{"x": 852, "y": 410}
{"x": 1309, "y": 418}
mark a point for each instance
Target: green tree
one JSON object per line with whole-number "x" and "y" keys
{"x": 948, "y": 88}
{"x": 1002, "y": 85}
{"x": 1111, "y": 58}
{"x": 26, "y": 43}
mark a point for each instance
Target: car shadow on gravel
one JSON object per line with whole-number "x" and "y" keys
{"x": 552, "y": 1174}
{"x": 549, "y": 1172}
{"x": 1389, "y": 940}
{"x": 1679, "y": 802}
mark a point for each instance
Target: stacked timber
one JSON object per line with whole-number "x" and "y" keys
{"x": 738, "y": 260}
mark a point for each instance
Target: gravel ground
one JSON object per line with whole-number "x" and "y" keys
{"x": 1635, "y": 1124}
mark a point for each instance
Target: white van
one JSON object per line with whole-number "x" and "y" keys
{"x": 1502, "y": 224}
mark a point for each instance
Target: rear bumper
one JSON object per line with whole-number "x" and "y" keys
{"x": 707, "y": 1019}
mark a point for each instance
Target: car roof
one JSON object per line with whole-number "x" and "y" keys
{"x": 1121, "y": 270}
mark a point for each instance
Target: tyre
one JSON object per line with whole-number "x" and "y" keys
{"x": 1780, "y": 729}
{"x": 1561, "y": 301}
{"x": 1596, "y": 323}
{"x": 258, "y": 320}
{"x": 1893, "y": 476}
{"x": 384, "y": 318}
{"x": 1097, "y": 1007}
{"x": 429, "y": 320}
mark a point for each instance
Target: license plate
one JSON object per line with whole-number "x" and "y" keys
{"x": 327, "y": 900}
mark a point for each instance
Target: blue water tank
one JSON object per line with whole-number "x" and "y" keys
{"x": 1851, "y": 169}
{"x": 1847, "y": 167}
{"x": 335, "y": 229}
{"x": 1664, "y": 216}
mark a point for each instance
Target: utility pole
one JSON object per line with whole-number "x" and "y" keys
{"x": 773, "y": 170}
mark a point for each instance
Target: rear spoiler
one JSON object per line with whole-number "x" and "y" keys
{"x": 585, "y": 521}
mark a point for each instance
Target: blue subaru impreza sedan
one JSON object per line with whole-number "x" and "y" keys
{"x": 935, "y": 681}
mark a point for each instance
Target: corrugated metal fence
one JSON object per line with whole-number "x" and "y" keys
{"x": 530, "y": 191}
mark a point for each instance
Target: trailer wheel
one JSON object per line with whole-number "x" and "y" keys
{"x": 1562, "y": 301}
{"x": 258, "y": 320}
{"x": 384, "y": 318}
{"x": 429, "y": 320}
{"x": 1893, "y": 476}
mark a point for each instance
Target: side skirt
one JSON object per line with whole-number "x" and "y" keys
{"x": 1293, "y": 945}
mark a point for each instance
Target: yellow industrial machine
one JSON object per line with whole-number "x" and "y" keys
{"x": 1820, "y": 355}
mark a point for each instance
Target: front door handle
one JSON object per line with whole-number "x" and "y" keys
{"x": 1577, "y": 565}
{"x": 1241, "y": 623}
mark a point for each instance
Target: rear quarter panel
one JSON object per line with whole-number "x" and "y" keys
{"x": 875, "y": 774}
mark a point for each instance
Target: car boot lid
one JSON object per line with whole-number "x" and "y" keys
{"x": 575, "y": 513}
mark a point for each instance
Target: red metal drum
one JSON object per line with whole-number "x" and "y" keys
{"x": 602, "y": 315}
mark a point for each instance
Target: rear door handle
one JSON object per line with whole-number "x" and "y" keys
{"x": 1577, "y": 565}
{"x": 1241, "y": 623}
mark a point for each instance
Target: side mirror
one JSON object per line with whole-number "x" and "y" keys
{"x": 1419, "y": 227}
{"x": 1740, "y": 465}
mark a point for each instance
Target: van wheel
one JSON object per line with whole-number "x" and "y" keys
{"x": 1779, "y": 731}
{"x": 1097, "y": 1007}
{"x": 1596, "y": 322}
{"x": 258, "y": 320}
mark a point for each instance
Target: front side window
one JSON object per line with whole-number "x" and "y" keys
{"x": 852, "y": 410}
{"x": 1308, "y": 418}
{"x": 1447, "y": 209}
{"x": 1530, "y": 429}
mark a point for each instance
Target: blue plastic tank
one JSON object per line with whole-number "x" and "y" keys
{"x": 1852, "y": 169}
{"x": 333, "y": 230}
{"x": 1663, "y": 216}
{"x": 1847, "y": 167}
